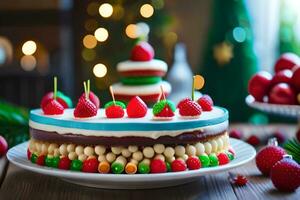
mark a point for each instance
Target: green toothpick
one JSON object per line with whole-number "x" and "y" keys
{"x": 85, "y": 89}
{"x": 88, "y": 87}
{"x": 55, "y": 87}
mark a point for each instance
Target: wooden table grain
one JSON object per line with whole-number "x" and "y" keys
{"x": 17, "y": 183}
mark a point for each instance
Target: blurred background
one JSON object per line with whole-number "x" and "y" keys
{"x": 225, "y": 41}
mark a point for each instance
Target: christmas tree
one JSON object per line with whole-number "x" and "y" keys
{"x": 229, "y": 60}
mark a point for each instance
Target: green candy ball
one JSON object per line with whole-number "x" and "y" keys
{"x": 49, "y": 161}
{"x": 205, "y": 161}
{"x": 230, "y": 156}
{"x": 118, "y": 103}
{"x": 76, "y": 165}
{"x": 169, "y": 169}
{"x": 55, "y": 161}
{"x": 33, "y": 158}
{"x": 213, "y": 160}
{"x": 117, "y": 168}
{"x": 159, "y": 106}
{"x": 143, "y": 168}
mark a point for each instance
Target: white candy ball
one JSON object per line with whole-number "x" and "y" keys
{"x": 44, "y": 149}
{"x": 132, "y": 148}
{"x": 56, "y": 152}
{"x": 137, "y": 155}
{"x": 63, "y": 149}
{"x": 190, "y": 150}
{"x": 51, "y": 148}
{"x": 169, "y": 152}
{"x": 179, "y": 150}
{"x": 159, "y": 148}
{"x": 214, "y": 146}
{"x": 82, "y": 157}
{"x": 220, "y": 144}
{"x": 72, "y": 155}
{"x": 71, "y": 148}
{"x": 89, "y": 151}
{"x": 207, "y": 147}
{"x": 110, "y": 157}
{"x": 99, "y": 149}
{"x": 79, "y": 150}
{"x": 159, "y": 157}
{"x": 116, "y": 150}
{"x": 200, "y": 149}
{"x": 148, "y": 152}
{"x": 126, "y": 153}
{"x": 101, "y": 158}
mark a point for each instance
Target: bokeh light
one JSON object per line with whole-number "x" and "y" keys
{"x": 29, "y": 47}
{"x": 131, "y": 31}
{"x": 146, "y": 10}
{"x": 89, "y": 41}
{"x": 88, "y": 54}
{"x": 99, "y": 70}
{"x": 28, "y": 62}
{"x": 106, "y": 10}
{"x": 101, "y": 34}
{"x": 239, "y": 34}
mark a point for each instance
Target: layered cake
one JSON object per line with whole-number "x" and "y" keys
{"x": 141, "y": 75}
{"x": 129, "y": 139}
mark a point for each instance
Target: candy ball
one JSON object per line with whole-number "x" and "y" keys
{"x": 90, "y": 165}
{"x": 193, "y": 163}
{"x": 33, "y": 158}
{"x": 223, "y": 158}
{"x": 148, "y": 152}
{"x": 159, "y": 148}
{"x": 100, "y": 150}
{"x": 143, "y": 168}
{"x": 117, "y": 168}
{"x": 169, "y": 152}
{"x": 213, "y": 160}
{"x": 55, "y": 161}
{"x": 49, "y": 161}
{"x": 205, "y": 161}
{"x": 137, "y": 155}
{"x": 76, "y": 165}
{"x": 41, "y": 160}
{"x": 64, "y": 163}
{"x": 179, "y": 150}
{"x": 158, "y": 166}
{"x": 178, "y": 165}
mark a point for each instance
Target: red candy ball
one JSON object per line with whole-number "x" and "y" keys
{"x": 193, "y": 163}
{"x": 28, "y": 154}
{"x": 41, "y": 160}
{"x": 223, "y": 158}
{"x": 158, "y": 166}
{"x": 90, "y": 165}
{"x": 64, "y": 163}
{"x": 178, "y": 165}
{"x": 3, "y": 146}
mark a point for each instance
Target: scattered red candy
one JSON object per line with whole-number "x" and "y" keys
{"x": 90, "y": 165}
{"x": 41, "y": 160}
{"x": 193, "y": 163}
{"x": 85, "y": 108}
{"x": 189, "y": 108}
{"x": 240, "y": 180}
{"x": 114, "y": 111}
{"x": 285, "y": 175}
{"x": 136, "y": 108}
{"x": 253, "y": 140}
{"x": 259, "y": 85}
{"x": 93, "y": 98}
{"x": 143, "y": 51}
{"x": 178, "y": 165}
{"x": 53, "y": 107}
{"x": 158, "y": 166}
{"x": 223, "y": 158}
{"x": 267, "y": 157}
{"x": 64, "y": 163}
{"x": 3, "y": 146}
{"x": 206, "y": 102}
{"x": 236, "y": 134}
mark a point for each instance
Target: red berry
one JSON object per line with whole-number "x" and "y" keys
{"x": 206, "y": 103}
{"x": 61, "y": 98}
{"x": 158, "y": 166}
{"x": 143, "y": 51}
{"x": 189, "y": 108}
{"x": 253, "y": 140}
{"x": 93, "y": 98}
{"x": 223, "y": 158}
{"x": 193, "y": 163}
{"x": 267, "y": 157}
{"x": 85, "y": 108}
{"x": 136, "y": 108}
{"x": 183, "y": 102}
{"x": 240, "y": 180}
{"x": 41, "y": 160}
{"x": 285, "y": 175}
{"x": 178, "y": 165}
{"x": 236, "y": 134}
{"x": 114, "y": 111}
{"x": 3, "y": 146}
{"x": 90, "y": 165}
{"x": 28, "y": 154}
{"x": 53, "y": 107}
{"x": 64, "y": 163}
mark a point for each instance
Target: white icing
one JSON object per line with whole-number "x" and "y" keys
{"x": 147, "y": 65}
{"x": 120, "y": 88}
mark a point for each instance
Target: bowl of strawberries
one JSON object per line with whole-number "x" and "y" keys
{"x": 278, "y": 93}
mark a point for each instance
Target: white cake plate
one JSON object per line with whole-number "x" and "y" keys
{"x": 244, "y": 153}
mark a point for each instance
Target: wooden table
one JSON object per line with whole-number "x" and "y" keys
{"x": 17, "y": 183}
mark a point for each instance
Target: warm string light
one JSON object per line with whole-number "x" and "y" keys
{"x": 28, "y": 62}
{"x": 99, "y": 70}
{"x": 101, "y": 34}
{"x": 89, "y": 41}
{"x": 106, "y": 10}
{"x": 146, "y": 10}
{"x": 131, "y": 31}
{"x": 29, "y": 47}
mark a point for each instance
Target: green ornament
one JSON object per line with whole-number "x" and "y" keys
{"x": 143, "y": 168}
{"x": 118, "y": 103}
{"x": 49, "y": 161}
{"x": 169, "y": 169}
{"x": 55, "y": 161}
{"x": 117, "y": 168}
{"x": 76, "y": 165}
{"x": 33, "y": 158}
{"x": 159, "y": 106}
{"x": 230, "y": 155}
{"x": 213, "y": 160}
{"x": 204, "y": 159}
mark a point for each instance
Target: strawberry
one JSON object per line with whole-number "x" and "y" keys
{"x": 64, "y": 100}
{"x": 158, "y": 166}
{"x": 93, "y": 98}
{"x": 164, "y": 109}
{"x": 206, "y": 103}
{"x": 267, "y": 157}
{"x": 143, "y": 51}
{"x": 178, "y": 165}
{"x": 136, "y": 108}
{"x": 189, "y": 108}
{"x": 285, "y": 174}
{"x": 53, "y": 107}
{"x": 85, "y": 108}
{"x": 236, "y": 134}
{"x": 114, "y": 111}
